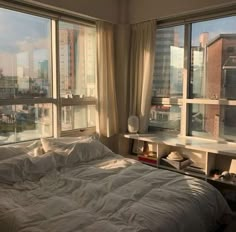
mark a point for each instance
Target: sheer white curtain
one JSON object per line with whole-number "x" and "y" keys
{"x": 141, "y": 71}
{"x": 107, "y": 104}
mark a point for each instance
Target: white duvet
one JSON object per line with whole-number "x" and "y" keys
{"x": 108, "y": 194}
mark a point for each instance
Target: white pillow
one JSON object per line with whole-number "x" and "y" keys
{"x": 26, "y": 167}
{"x": 87, "y": 151}
{"x": 36, "y": 167}
{"x": 34, "y": 145}
{"x": 82, "y": 150}
{"x": 11, "y": 170}
{"x": 36, "y": 148}
{"x": 61, "y": 143}
{"x": 7, "y": 152}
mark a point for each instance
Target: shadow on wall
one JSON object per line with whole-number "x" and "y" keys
{"x": 111, "y": 142}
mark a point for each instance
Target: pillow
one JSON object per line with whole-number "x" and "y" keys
{"x": 71, "y": 139}
{"x": 62, "y": 143}
{"x": 35, "y": 167}
{"x": 27, "y": 167}
{"x": 34, "y": 145}
{"x": 82, "y": 150}
{"x": 12, "y": 160}
{"x": 8, "y": 151}
{"x": 36, "y": 148}
{"x": 11, "y": 169}
{"x": 87, "y": 151}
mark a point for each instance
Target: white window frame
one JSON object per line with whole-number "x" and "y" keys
{"x": 57, "y": 102}
{"x": 85, "y": 101}
{"x": 187, "y": 20}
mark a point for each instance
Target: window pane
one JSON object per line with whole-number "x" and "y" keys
{"x": 213, "y": 121}
{"x": 25, "y": 122}
{"x": 75, "y": 117}
{"x": 77, "y": 46}
{"x": 213, "y": 62}
{"x": 169, "y": 62}
{"x": 24, "y": 55}
{"x": 229, "y": 123}
{"x": 165, "y": 117}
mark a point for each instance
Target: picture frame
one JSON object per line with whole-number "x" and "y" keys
{"x": 138, "y": 147}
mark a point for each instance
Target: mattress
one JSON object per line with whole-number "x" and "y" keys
{"x": 103, "y": 192}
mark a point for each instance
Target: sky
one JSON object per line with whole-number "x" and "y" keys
{"x": 18, "y": 31}
{"x": 214, "y": 28}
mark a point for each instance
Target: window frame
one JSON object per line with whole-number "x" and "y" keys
{"x": 85, "y": 101}
{"x": 185, "y": 101}
{"x": 57, "y": 102}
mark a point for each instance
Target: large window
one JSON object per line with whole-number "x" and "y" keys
{"x": 25, "y": 77}
{"x": 207, "y": 98}
{"x": 40, "y": 87}
{"x": 25, "y": 56}
{"x": 77, "y": 56}
{"x": 168, "y": 79}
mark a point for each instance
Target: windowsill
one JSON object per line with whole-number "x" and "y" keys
{"x": 186, "y": 142}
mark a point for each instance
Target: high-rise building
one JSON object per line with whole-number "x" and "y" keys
{"x": 161, "y": 78}
{"x": 85, "y": 68}
{"x": 218, "y": 51}
{"x": 77, "y": 71}
{"x": 8, "y": 64}
{"x": 168, "y": 68}
{"x": 67, "y": 60}
{"x": 220, "y": 79}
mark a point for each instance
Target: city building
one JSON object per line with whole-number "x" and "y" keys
{"x": 219, "y": 82}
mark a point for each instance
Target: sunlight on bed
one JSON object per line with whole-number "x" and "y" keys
{"x": 116, "y": 163}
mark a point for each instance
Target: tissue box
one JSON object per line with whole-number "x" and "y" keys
{"x": 177, "y": 164}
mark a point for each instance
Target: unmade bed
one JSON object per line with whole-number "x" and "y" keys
{"x": 81, "y": 185}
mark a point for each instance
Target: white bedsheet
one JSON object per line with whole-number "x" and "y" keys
{"x": 108, "y": 195}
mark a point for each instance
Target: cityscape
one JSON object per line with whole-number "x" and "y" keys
{"x": 26, "y": 73}
{"x": 212, "y": 76}
{"x": 25, "y": 62}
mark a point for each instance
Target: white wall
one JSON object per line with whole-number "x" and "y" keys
{"x": 142, "y": 10}
{"x": 100, "y": 9}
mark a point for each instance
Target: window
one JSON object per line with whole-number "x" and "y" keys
{"x": 25, "y": 77}
{"x": 168, "y": 79}
{"x": 31, "y": 103}
{"x": 165, "y": 117}
{"x": 77, "y": 57}
{"x": 74, "y": 117}
{"x": 208, "y": 99}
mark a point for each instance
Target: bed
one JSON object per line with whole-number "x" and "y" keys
{"x": 78, "y": 184}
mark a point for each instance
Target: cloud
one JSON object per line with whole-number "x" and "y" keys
{"x": 18, "y": 31}
{"x": 28, "y": 44}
